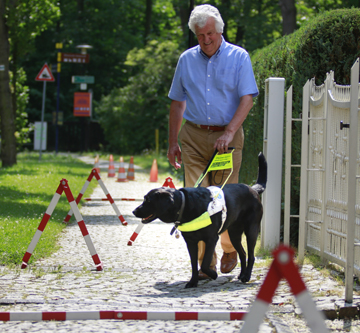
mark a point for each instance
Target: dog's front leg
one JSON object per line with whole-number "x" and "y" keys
{"x": 209, "y": 252}
{"x": 193, "y": 252}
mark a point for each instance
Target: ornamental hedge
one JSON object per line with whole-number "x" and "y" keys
{"x": 331, "y": 41}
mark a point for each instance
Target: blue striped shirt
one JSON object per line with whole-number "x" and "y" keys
{"x": 212, "y": 87}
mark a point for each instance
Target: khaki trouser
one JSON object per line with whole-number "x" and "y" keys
{"x": 197, "y": 147}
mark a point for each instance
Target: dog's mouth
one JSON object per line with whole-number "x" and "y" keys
{"x": 148, "y": 219}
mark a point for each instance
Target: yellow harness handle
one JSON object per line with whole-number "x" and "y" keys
{"x": 219, "y": 162}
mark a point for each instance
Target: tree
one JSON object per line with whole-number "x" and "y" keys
{"x": 288, "y": 12}
{"x": 148, "y": 14}
{"x": 21, "y": 22}
{"x": 8, "y": 142}
{"x": 130, "y": 115}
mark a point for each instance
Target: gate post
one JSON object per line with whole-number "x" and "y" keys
{"x": 273, "y": 151}
{"x": 303, "y": 173}
{"x": 353, "y": 154}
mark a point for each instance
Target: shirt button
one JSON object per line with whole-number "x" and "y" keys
{"x": 208, "y": 89}
{"x": 210, "y": 62}
{"x": 209, "y": 75}
{"x": 208, "y": 103}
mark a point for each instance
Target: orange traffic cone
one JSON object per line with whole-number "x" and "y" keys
{"x": 121, "y": 174}
{"x": 111, "y": 172}
{"x": 96, "y": 166}
{"x": 154, "y": 172}
{"x": 131, "y": 171}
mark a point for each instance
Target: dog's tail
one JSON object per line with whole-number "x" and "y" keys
{"x": 260, "y": 185}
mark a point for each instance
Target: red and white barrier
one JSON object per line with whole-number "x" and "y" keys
{"x": 168, "y": 183}
{"x": 95, "y": 174}
{"x": 283, "y": 266}
{"x": 120, "y": 315}
{"x": 115, "y": 199}
{"x": 63, "y": 187}
{"x": 136, "y": 233}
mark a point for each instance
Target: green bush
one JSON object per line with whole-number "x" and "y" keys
{"x": 130, "y": 115}
{"x": 330, "y": 41}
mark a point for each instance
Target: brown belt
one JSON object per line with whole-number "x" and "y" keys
{"x": 209, "y": 128}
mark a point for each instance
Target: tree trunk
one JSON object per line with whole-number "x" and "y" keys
{"x": 148, "y": 15}
{"x": 7, "y": 126}
{"x": 288, "y": 12}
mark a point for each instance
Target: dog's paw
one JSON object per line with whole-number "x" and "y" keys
{"x": 191, "y": 284}
{"x": 244, "y": 278}
{"x": 210, "y": 273}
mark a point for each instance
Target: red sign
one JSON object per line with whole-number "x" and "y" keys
{"x": 82, "y": 104}
{"x": 78, "y": 58}
{"x": 45, "y": 74}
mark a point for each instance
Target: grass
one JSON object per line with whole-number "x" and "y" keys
{"x": 26, "y": 190}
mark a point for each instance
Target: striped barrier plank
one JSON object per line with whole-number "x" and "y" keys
{"x": 120, "y": 315}
{"x": 115, "y": 199}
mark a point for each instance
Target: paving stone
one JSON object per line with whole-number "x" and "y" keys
{"x": 150, "y": 275}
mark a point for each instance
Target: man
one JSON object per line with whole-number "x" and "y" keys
{"x": 212, "y": 89}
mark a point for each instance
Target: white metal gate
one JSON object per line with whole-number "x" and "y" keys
{"x": 329, "y": 215}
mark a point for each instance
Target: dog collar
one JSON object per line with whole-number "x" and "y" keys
{"x": 180, "y": 212}
{"x": 200, "y": 222}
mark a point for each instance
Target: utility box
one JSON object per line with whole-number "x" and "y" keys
{"x": 273, "y": 151}
{"x": 40, "y": 135}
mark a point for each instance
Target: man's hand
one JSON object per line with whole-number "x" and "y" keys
{"x": 222, "y": 143}
{"x": 174, "y": 156}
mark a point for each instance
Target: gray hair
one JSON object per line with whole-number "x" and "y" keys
{"x": 201, "y": 14}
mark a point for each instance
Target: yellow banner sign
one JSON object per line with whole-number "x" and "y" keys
{"x": 221, "y": 162}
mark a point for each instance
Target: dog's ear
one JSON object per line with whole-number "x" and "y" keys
{"x": 166, "y": 193}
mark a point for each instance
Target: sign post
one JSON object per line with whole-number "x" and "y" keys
{"x": 59, "y": 55}
{"x": 44, "y": 75}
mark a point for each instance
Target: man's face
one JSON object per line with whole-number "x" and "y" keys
{"x": 209, "y": 39}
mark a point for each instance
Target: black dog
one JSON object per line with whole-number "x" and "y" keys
{"x": 244, "y": 213}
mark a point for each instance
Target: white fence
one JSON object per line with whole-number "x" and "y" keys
{"x": 329, "y": 215}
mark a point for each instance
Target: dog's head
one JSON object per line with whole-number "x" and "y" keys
{"x": 158, "y": 203}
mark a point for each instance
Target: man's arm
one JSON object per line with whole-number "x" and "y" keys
{"x": 177, "y": 109}
{"x": 245, "y": 105}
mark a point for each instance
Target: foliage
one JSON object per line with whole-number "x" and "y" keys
{"x": 24, "y": 20}
{"x": 23, "y": 128}
{"x": 331, "y": 41}
{"x": 25, "y": 193}
{"x": 131, "y": 114}
{"x": 28, "y": 19}
{"x": 115, "y": 27}
{"x": 112, "y": 28}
